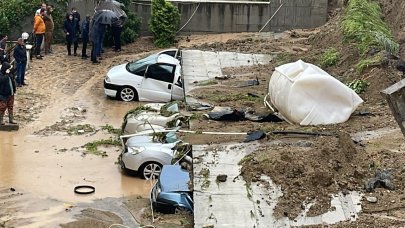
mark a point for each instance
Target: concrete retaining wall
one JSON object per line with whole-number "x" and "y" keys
{"x": 233, "y": 16}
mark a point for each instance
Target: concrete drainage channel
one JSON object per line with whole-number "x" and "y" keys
{"x": 235, "y": 204}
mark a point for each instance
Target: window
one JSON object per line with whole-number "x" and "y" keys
{"x": 161, "y": 72}
{"x": 139, "y": 66}
{"x": 172, "y": 53}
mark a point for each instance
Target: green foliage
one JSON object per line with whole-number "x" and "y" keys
{"x": 164, "y": 22}
{"x": 131, "y": 28}
{"x": 13, "y": 12}
{"x": 80, "y": 129}
{"x": 330, "y": 57}
{"x": 110, "y": 129}
{"x": 365, "y": 63}
{"x": 92, "y": 147}
{"x": 58, "y": 16}
{"x": 363, "y": 25}
{"x": 358, "y": 85}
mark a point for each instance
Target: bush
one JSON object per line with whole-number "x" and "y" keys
{"x": 13, "y": 12}
{"x": 330, "y": 57}
{"x": 373, "y": 61}
{"x": 131, "y": 28}
{"x": 358, "y": 85}
{"x": 164, "y": 22}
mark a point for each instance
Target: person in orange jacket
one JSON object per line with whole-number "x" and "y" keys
{"x": 39, "y": 31}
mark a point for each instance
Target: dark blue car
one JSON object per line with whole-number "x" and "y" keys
{"x": 172, "y": 194}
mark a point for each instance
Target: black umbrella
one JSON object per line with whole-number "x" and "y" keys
{"x": 106, "y": 17}
{"x": 113, "y": 6}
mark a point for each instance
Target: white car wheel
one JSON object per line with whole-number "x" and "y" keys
{"x": 151, "y": 171}
{"x": 128, "y": 94}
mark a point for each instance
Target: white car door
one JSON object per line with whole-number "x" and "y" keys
{"x": 157, "y": 84}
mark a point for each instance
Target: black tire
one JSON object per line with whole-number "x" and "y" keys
{"x": 128, "y": 94}
{"x": 150, "y": 170}
{"x": 181, "y": 210}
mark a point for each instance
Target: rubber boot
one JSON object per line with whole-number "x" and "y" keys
{"x": 1, "y": 119}
{"x": 11, "y": 119}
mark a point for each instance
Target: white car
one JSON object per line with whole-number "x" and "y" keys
{"x": 142, "y": 155}
{"x": 156, "y": 78}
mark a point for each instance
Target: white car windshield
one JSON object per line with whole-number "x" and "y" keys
{"x": 140, "y": 65}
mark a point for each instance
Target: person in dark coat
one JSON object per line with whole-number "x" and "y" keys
{"x": 7, "y": 91}
{"x": 76, "y": 19}
{"x": 116, "y": 28}
{"x": 20, "y": 56}
{"x": 96, "y": 33}
{"x": 85, "y": 36}
{"x": 70, "y": 29}
{"x": 3, "y": 44}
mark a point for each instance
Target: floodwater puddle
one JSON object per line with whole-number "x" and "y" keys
{"x": 38, "y": 173}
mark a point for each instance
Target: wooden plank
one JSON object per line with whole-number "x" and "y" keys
{"x": 395, "y": 96}
{"x": 9, "y": 127}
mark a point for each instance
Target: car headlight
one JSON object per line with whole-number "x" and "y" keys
{"x": 136, "y": 149}
{"x": 107, "y": 79}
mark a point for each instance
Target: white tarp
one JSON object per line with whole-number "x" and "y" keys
{"x": 305, "y": 94}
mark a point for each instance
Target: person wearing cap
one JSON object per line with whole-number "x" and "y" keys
{"x": 7, "y": 91}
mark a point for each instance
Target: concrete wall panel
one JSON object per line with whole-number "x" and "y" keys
{"x": 233, "y": 16}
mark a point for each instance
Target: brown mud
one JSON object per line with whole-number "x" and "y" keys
{"x": 43, "y": 162}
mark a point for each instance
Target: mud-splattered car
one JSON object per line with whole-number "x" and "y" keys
{"x": 146, "y": 157}
{"x": 171, "y": 193}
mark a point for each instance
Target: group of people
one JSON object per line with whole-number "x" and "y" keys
{"x": 43, "y": 28}
{"x": 73, "y": 30}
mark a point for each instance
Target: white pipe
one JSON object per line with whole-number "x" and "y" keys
{"x": 189, "y": 18}
{"x": 271, "y": 17}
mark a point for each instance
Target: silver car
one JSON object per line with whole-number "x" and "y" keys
{"x": 142, "y": 155}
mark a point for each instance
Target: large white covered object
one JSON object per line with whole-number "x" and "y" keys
{"x": 305, "y": 94}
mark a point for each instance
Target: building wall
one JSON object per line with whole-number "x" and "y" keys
{"x": 233, "y": 16}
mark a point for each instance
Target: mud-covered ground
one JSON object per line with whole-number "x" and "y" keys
{"x": 65, "y": 95}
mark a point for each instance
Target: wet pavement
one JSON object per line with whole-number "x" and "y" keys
{"x": 44, "y": 170}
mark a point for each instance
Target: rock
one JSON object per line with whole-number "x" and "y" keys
{"x": 12, "y": 189}
{"x": 371, "y": 199}
{"x": 222, "y": 177}
{"x": 304, "y": 143}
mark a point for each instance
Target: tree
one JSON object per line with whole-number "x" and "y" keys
{"x": 164, "y": 22}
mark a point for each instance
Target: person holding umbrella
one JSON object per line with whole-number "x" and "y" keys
{"x": 101, "y": 19}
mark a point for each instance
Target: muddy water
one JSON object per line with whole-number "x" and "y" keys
{"x": 38, "y": 165}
